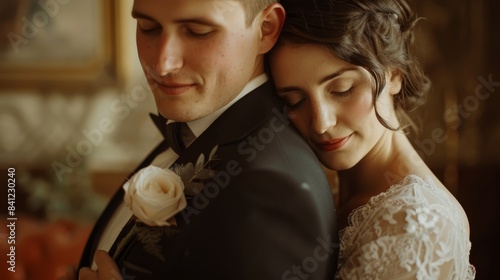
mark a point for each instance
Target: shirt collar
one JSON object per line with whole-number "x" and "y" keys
{"x": 200, "y": 125}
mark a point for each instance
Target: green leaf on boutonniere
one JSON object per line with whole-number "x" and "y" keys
{"x": 200, "y": 163}
{"x": 213, "y": 152}
{"x": 186, "y": 172}
{"x": 204, "y": 174}
{"x": 193, "y": 175}
{"x": 151, "y": 237}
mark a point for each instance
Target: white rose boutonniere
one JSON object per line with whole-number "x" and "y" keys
{"x": 155, "y": 195}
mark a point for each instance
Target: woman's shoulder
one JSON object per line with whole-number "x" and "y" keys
{"x": 413, "y": 186}
{"x": 416, "y": 219}
{"x": 419, "y": 197}
{"x": 413, "y": 199}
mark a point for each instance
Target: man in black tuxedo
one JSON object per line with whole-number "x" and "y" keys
{"x": 266, "y": 212}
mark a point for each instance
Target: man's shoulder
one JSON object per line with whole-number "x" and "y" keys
{"x": 273, "y": 142}
{"x": 276, "y": 141}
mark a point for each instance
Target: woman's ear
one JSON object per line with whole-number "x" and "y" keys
{"x": 272, "y": 19}
{"x": 395, "y": 80}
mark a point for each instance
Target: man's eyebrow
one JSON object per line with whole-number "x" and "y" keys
{"x": 198, "y": 20}
{"x": 137, "y": 14}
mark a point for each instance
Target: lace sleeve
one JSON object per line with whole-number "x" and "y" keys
{"x": 410, "y": 232}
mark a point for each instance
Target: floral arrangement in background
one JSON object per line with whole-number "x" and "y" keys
{"x": 54, "y": 221}
{"x": 70, "y": 199}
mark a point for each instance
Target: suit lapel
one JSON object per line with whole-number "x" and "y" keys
{"x": 93, "y": 240}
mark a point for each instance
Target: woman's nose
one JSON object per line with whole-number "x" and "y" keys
{"x": 323, "y": 118}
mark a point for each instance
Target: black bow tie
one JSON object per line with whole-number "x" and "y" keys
{"x": 160, "y": 122}
{"x": 177, "y": 134}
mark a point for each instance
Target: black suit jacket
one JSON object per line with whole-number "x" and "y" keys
{"x": 267, "y": 213}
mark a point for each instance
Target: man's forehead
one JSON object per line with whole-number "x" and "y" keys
{"x": 182, "y": 4}
{"x": 184, "y": 8}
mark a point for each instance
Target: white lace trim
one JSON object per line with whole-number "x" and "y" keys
{"x": 414, "y": 230}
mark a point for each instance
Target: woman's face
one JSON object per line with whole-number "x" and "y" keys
{"x": 330, "y": 101}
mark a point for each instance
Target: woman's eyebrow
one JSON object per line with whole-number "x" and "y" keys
{"x": 335, "y": 74}
{"x": 323, "y": 80}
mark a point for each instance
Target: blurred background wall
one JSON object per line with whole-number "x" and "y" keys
{"x": 74, "y": 119}
{"x": 459, "y": 43}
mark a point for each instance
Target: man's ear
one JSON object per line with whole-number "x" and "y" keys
{"x": 272, "y": 19}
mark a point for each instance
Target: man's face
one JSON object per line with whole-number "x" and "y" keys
{"x": 197, "y": 54}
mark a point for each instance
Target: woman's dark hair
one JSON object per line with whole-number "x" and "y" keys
{"x": 374, "y": 34}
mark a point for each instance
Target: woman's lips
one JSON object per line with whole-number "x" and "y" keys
{"x": 332, "y": 145}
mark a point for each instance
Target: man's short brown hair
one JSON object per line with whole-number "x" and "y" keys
{"x": 253, "y": 7}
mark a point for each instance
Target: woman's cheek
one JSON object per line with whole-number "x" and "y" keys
{"x": 362, "y": 108}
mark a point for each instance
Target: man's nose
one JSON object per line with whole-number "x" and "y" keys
{"x": 169, "y": 56}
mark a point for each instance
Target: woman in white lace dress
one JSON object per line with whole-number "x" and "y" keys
{"x": 346, "y": 70}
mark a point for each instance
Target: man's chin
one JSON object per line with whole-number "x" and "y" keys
{"x": 179, "y": 114}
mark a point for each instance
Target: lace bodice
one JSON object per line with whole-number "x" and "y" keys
{"x": 415, "y": 230}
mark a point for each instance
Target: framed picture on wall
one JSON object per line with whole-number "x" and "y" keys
{"x": 59, "y": 43}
